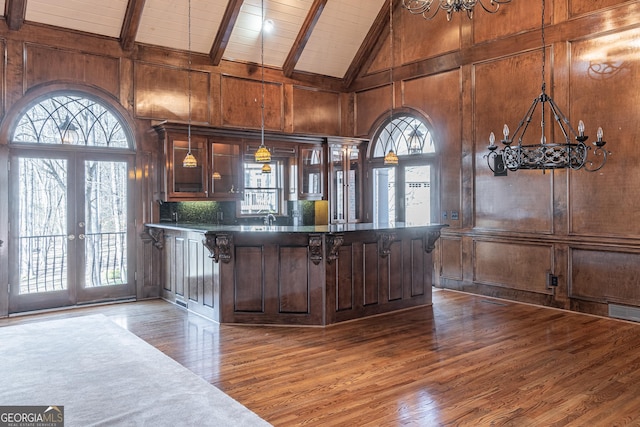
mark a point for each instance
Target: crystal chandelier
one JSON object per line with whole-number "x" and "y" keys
{"x": 543, "y": 156}
{"x": 429, "y": 10}
{"x": 262, "y": 155}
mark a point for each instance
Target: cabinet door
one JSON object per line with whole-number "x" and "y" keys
{"x": 337, "y": 182}
{"x": 345, "y": 181}
{"x": 186, "y": 182}
{"x": 311, "y": 173}
{"x": 225, "y": 171}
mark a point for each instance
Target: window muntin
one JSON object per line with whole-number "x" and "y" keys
{"x": 406, "y": 135}
{"x": 263, "y": 192}
{"x": 71, "y": 120}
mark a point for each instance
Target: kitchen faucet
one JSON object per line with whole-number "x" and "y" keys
{"x": 269, "y": 219}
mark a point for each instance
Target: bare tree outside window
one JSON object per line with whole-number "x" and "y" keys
{"x": 44, "y": 185}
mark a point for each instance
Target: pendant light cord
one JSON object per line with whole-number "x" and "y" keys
{"x": 189, "y": 73}
{"x": 262, "y": 67}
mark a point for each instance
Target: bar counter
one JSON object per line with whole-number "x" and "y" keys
{"x": 295, "y": 275}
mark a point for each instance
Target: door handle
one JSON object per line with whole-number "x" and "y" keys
{"x": 71, "y": 237}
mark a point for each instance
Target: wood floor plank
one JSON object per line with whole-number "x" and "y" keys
{"x": 465, "y": 361}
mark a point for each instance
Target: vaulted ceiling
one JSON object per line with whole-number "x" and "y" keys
{"x": 330, "y": 38}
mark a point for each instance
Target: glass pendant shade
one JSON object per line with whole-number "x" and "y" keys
{"x": 262, "y": 155}
{"x": 189, "y": 161}
{"x": 216, "y": 175}
{"x": 391, "y": 159}
{"x": 266, "y": 168}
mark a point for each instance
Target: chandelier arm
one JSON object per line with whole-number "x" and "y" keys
{"x": 494, "y": 4}
{"x": 526, "y": 120}
{"x": 560, "y": 118}
{"x": 597, "y": 152}
{"x": 421, "y": 7}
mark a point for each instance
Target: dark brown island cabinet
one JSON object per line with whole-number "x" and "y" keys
{"x": 295, "y": 275}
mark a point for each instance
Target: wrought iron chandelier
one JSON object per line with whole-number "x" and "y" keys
{"x": 543, "y": 156}
{"x": 424, "y": 7}
{"x": 263, "y": 155}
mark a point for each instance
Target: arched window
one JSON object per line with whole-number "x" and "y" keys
{"x": 404, "y": 134}
{"x": 404, "y": 192}
{"x": 72, "y": 120}
{"x": 72, "y": 175}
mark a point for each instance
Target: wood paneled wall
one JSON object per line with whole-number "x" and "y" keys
{"x": 468, "y": 78}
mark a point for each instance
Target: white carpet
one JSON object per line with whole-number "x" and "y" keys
{"x": 104, "y": 375}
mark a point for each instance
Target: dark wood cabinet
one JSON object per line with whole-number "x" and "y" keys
{"x": 226, "y": 170}
{"x": 182, "y": 182}
{"x": 311, "y": 173}
{"x": 345, "y": 179}
{"x": 218, "y": 175}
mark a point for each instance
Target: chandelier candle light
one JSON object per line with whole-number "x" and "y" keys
{"x": 262, "y": 155}
{"x": 190, "y": 160}
{"x": 543, "y": 156}
{"x": 424, "y": 7}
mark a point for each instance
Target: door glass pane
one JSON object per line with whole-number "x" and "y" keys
{"x": 42, "y": 240}
{"x": 353, "y": 197}
{"x": 337, "y": 184}
{"x": 105, "y": 223}
{"x": 417, "y": 195}
{"x": 384, "y": 196}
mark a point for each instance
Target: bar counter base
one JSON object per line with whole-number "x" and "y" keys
{"x": 297, "y": 278}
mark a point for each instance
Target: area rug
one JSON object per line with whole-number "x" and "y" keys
{"x": 104, "y": 375}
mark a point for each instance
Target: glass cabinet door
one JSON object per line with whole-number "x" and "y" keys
{"x": 336, "y": 157}
{"x": 311, "y": 173}
{"x": 187, "y": 182}
{"x": 353, "y": 184}
{"x": 225, "y": 170}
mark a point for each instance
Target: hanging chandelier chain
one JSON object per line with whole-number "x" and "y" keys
{"x": 544, "y": 50}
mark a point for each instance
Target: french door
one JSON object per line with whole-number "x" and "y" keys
{"x": 71, "y": 229}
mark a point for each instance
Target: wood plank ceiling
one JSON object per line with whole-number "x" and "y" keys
{"x": 329, "y": 38}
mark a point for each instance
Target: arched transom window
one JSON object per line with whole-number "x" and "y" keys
{"x": 72, "y": 120}
{"x": 406, "y": 135}
{"x": 404, "y": 191}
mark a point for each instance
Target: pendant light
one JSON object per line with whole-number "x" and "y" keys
{"x": 391, "y": 158}
{"x": 262, "y": 155}
{"x": 190, "y": 160}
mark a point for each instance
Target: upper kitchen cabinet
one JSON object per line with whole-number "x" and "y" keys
{"x": 226, "y": 170}
{"x": 311, "y": 175}
{"x": 345, "y": 179}
{"x": 185, "y": 182}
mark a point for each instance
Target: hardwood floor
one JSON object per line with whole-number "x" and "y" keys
{"x": 466, "y": 360}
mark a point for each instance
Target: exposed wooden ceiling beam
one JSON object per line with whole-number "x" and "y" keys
{"x": 303, "y": 36}
{"x": 371, "y": 45}
{"x": 131, "y": 23}
{"x": 224, "y": 32}
{"x": 14, "y": 12}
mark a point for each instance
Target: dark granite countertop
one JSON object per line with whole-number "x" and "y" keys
{"x": 336, "y": 228}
